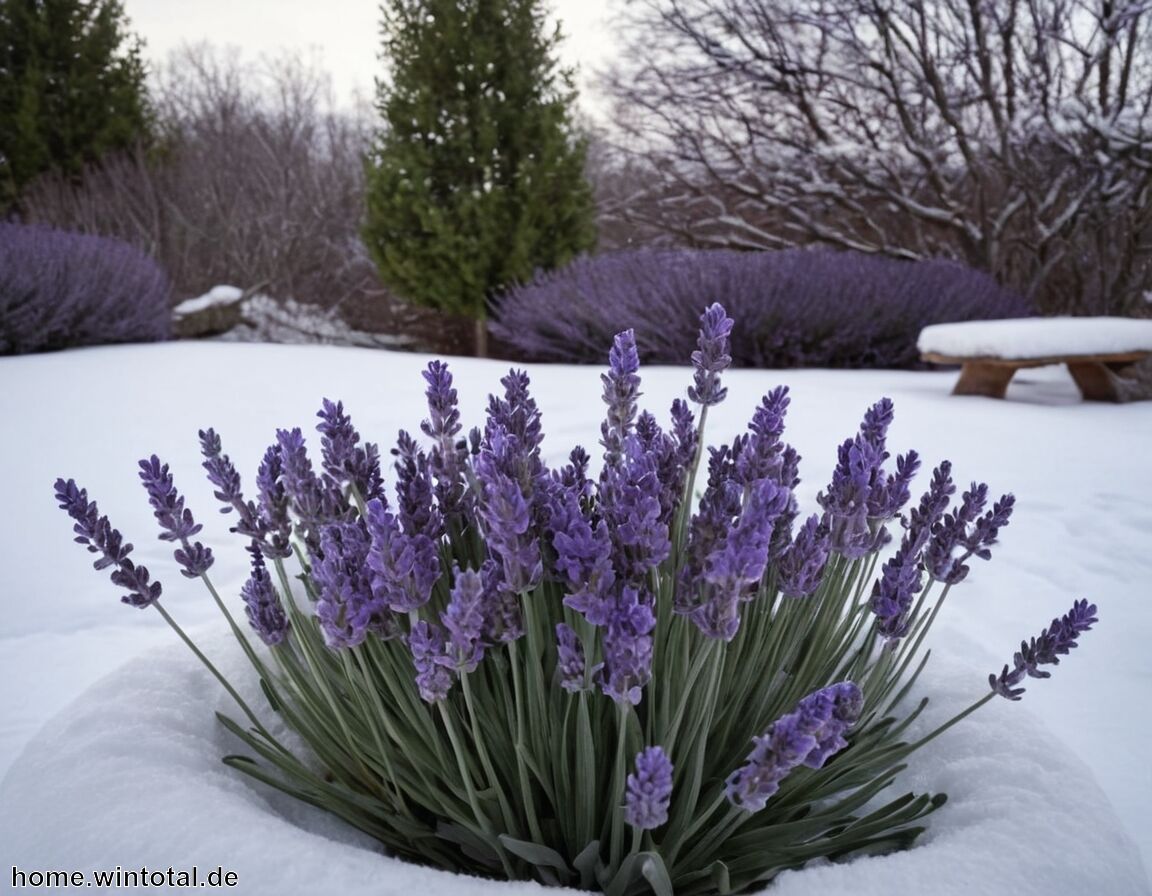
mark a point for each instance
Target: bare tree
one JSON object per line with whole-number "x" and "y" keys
{"x": 257, "y": 182}
{"x": 1015, "y": 135}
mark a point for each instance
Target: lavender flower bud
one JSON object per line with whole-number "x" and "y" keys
{"x": 967, "y": 531}
{"x": 224, "y": 476}
{"x": 464, "y": 619}
{"x": 621, "y": 390}
{"x": 508, "y": 521}
{"x": 684, "y": 432}
{"x": 737, "y": 564}
{"x": 405, "y": 567}
{"x": 274, "y": 518}
{"x": 801, "y": 567}
{"x": 313, "y": 503}
{"x": 1057, "y": 640}
{"x": 649, "y": 790}
{"x": 711, "y": 357}
{"x": 809, "y": 735}
{"x": 762, "y": 455}
{"x": 427, "y": 645}
{"x": 444, "y": 416}
{"x": 448, "y": 458}
{"x": 262, "y": 602}
{"x": 630, "y": 501}
{"x": 346, "y": 606}
{"x": 584, "y": 555}
{"x": 628, "y": 647}
{"x": 570, "y": 664}
{"x": 174, "y": 518}
{"x": 344, "y": 461}
{"x": 95, "y": 532}
{"x": 415, "y": 509}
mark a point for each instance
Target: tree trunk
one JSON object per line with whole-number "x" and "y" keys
{"x": 481, "y": 333}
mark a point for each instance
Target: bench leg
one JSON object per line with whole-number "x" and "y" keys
{"x": 980, "y": 378}
{"x": 1096, "y": 381}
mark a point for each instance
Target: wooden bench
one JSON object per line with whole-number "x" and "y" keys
{"x": 1110, "y": 358}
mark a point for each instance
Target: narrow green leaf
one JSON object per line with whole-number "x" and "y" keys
{"x": 539, "y": 855}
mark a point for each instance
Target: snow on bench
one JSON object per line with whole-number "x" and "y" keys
{"x": 1101, "y": 353}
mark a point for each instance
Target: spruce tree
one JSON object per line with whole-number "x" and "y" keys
{"x": 71, "y": 87}
{"x": 476, "y": 178}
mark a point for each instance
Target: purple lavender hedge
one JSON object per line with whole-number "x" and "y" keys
{"x": 60, "y": 290}
{"x": 797, "y": 307}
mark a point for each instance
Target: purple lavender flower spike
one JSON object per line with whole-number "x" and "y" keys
{"x": 711, "y": 358}
{"x": 1057, "y": 640}
{"x": 888, "y": 500}
{"x": 808, "y": 735}
{"x": 628, "y": 647}
{"x": 464, "y": 620}
{"x": 877, "y": 419}
{"x": 405, "y": 567}
{"x": 735, "y": 567}
{"x": 95, "y": 532}
{"x": 630, "y": 501}
{"x": 313, "y": 503}
{"x": 448, "y": 457}
{"x": 649, "y": 790}
{"x": 432, "y": 677}
{"x": 801, "y": 566}
{"x": 584, "y": 555}
{"x": 416, "y": 510}
{"x": 274, "y": 518}
{"x": 262, "y": 602}
{"x": 508, "y": 520}
{"x": 344, "y": 460}
{"x": 570, "y": 664}
{"x": 621, "y": 390}
{"x": 444, "y": 417}
{"x": 762, "y": 456}
{"x": 503, "y": 621}
{"x": 966, "y": 530}
{"x": 168, "y": 505}
{"x": 174, "y": 518}
{"x": 224, "y": 476}
{"x": 347, "y": 607}
{"x": 684, "y": 432}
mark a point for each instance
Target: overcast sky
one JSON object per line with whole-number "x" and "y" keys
{"x": 344, "y": 32}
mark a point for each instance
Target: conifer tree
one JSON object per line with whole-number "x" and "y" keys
{"x": 71, "y": 87}
{"x": 476, "y": 178}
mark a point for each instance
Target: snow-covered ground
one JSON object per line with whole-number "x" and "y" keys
{"x": 1058, "y": 784}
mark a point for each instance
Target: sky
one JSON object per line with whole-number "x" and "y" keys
{"x": 344, "y": 32}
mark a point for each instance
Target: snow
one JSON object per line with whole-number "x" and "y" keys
{"x": 1032, "y": 338}
{"x": 108, "y": 734}
{"x": 217, "y": 295}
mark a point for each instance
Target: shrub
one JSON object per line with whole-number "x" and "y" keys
{"x": 532, "y": 673}
{"x": 59, "y": 290}
{"x": 798, "y": 308}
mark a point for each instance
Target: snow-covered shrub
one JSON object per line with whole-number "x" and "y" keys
{"x": 797, "y": 308}
{"x": 590, "y": 677}
{"x": 60, "y": 289}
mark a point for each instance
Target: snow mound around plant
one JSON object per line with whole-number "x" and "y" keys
{"x": 130, "y": 775}
{"x": 1037, "y": 337}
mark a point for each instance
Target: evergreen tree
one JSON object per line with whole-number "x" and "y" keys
{"x": 477, "y": 177}
{"x": 71, "y": 87}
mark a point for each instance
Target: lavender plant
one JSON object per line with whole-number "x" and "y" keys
{"x": 59, "y": 290}
{"x": 650, "y": 676}
{"x": 796, "y": 307}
